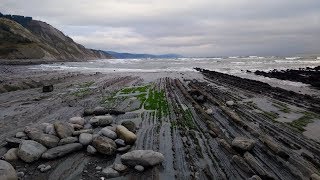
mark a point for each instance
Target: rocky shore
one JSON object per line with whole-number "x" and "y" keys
{"x": 205, "y": 125}
{"x": 305, "y": 75}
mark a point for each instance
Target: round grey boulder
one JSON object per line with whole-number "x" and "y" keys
{"x": 230, "y": 103}
{"x": 142, "y": 157}
{"x": 30, "y": 150}
{"x": 139, "y": 168}
{"x": 7, "y": 172}
{"x": 85, "y": 138}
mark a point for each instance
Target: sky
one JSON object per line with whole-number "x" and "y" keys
{"x": 197, "y": 28}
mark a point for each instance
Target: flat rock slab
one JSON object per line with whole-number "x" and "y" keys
{"x": 60, "y": 151}
{"x": 142, "y": 157}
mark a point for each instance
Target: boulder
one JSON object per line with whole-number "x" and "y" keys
{"x": 50, "y": 130}
{"x": 124, "y": 149}
{"x": 209, "y": 111}
{"x": 21, "y": 135}
{"x": 142, "y": 157}
{"x": 11, "y": 155}
{"x": 60, "y": 151}
{"x": 47, "y": 140}
{"x": 120, "y": 142}
{"x": 30, "y": 150}
{"x": 47, "y": 88}
{"x": 128, "y": 136}
{"x": 7, "y": 172}
{"x": 230, "y": 103}
{"x": 131, "y": 126}
{"x": 119, "y": 167}
{"x": 77, "y": 120}
{"x": 139, "y": 168}
{"x": 63, "y": 129}
{"x": 108, "y": 133}
{"x": 13, "y": 142}
{"x": 242, "y": 144}
{"x": 101, "y": 120}
{"x": 91, "y": 149}
{"x": 104, "y": 145}
{"x": 110, "y": 173}
{"x": 77, "y": 133}
{"x": 85, "y": 138}
{"x": 315, "y": 177}
{"x": 45, "y": 168}
{"x": 68, "y": 140}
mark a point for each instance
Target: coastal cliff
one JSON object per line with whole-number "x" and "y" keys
{"x": 24, "y": 38}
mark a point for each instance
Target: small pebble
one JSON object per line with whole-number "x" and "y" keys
{"x": 41, "y": 166}
{"x": 98, "y": 168}
{"x": 47, "y": 168}
{"x": 139, "y": 168}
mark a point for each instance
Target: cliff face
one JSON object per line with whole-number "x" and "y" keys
{"x": 24, "y": 38}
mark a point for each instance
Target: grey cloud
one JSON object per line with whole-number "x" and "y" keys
{"x": 189, "y": 27}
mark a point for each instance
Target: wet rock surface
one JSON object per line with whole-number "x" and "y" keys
{"x": 195, "y": 144}
{"x": 30, "y": 150}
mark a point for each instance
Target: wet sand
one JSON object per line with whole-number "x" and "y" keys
{"x": 196, "y": 144}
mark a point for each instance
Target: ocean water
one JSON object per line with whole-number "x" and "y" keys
{"x": 232, "y": 65}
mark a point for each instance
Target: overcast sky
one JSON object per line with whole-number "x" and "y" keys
{"x": 187, "y": 27}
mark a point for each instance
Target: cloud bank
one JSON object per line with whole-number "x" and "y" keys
{"x": 187, "y": 27}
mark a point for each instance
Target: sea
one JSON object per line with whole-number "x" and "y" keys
{"x": 238, "y": 66}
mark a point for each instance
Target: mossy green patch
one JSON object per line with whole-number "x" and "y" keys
{"x": 157, "y": 101}
{"x": 85, "y": 84}
{"x": 271, "y": 115}
{"x": 302, "y": 122}
{"x": 282, "y": 107}
{"x": 81, "y": 92}
{"x": 83, "y": 89}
